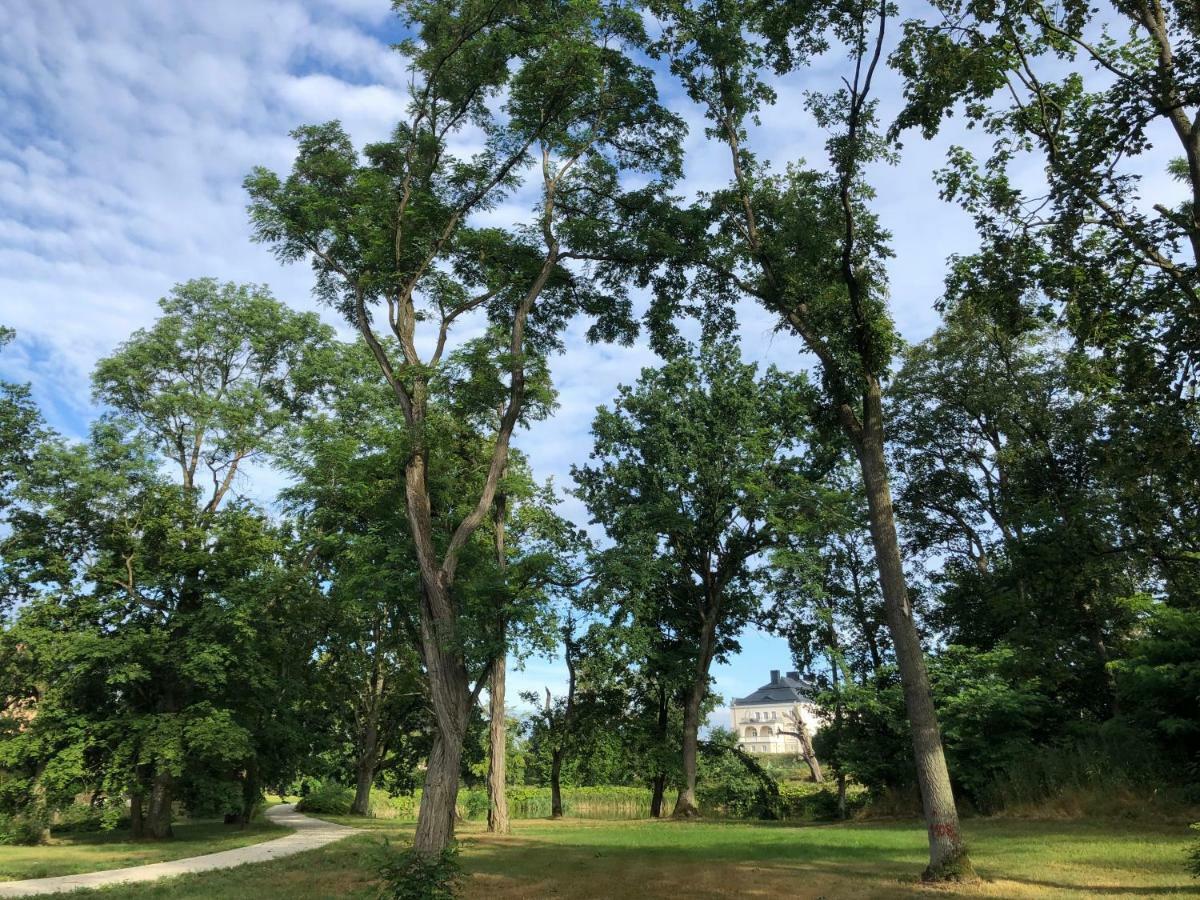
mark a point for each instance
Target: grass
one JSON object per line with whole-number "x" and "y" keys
{"x": 71, "y": 854}
{"x": 574, "y": 859}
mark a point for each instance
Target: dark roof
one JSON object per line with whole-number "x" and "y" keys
{"x": 787, "y": 688}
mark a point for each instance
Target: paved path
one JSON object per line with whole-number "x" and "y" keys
{"x": 309, "y": 834}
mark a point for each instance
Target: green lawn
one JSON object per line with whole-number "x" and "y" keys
{"x": 70, "y": 854}
{"x": 642, "y": 859}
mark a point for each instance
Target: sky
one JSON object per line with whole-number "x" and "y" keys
{"x": 129, "y": 125}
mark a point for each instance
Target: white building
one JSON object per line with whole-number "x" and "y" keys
{"x": 759, "y": 718}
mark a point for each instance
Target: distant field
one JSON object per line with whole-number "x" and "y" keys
{"x": 644, "y": 859}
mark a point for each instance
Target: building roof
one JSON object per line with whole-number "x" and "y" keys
{"x": 787, "y": 688}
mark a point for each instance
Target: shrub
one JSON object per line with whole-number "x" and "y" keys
{"x": 27, "y": 827}
{"x": 333, "y": 799}
{"x": 79, "y": 818}
{"x": 410, "y": 876}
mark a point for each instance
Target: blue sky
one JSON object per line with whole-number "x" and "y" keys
{"x": 130, "y": 124}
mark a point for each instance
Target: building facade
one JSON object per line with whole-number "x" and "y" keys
{"x": 766, "y": 720}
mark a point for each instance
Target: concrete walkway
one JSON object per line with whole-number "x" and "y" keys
{"x": 309, "y": 834}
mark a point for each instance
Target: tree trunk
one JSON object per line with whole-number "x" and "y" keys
{"x": 137, "y": 820}
{"x": 450, "y": 696}
{"x": 686, "y": 805}
{"x": 364, "y": 778}
{"x": 158, "y": 815}
{"x": 556, "y": 809}
{"x": 806, "y": 747}
{"x": 251, "y": 792}
{"x": 948, "y": 859}
{"x": 497, "y": 748}
{"x": 497, "y": 777}
{"x": 841, "y": 794}
{"x": 137, "y": 802}
{"x": 439, "y": 796}
{"x": 658, "y": 788}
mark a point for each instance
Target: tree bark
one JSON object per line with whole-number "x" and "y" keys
{"x": 250, "y": 792}
{"x": 137, "y": 819}
{"x": 158, "y": 815}
{"x": 686, "y": 805}
{"x": 947, "y": 851}
{"x": 367, "y": 762}
{"x": 658, "y": 789}
{"x": 497, "y": 778}
{"x": 806, "y": 746}
{"x": 659, "y": 786}
{"x": 364, "y": 778}
{"x": 556, "y": 808}
{"x": 498, "y": 822}
{"x": 451, "y": 698}
{"x": 439, "y": 795}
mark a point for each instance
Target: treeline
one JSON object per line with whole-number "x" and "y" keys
{"x": 982, "y": 547}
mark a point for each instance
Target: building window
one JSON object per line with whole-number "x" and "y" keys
{"x": 765, "y": 731}
{"x": 751, "y": 732}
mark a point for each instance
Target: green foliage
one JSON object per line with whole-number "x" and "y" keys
{"x": 334, "y": 799}
{"x": 83, "y": 818}
{"x": 1159, "y": 680}
{"x": 26, "y": 827}
{"x": 408, "y": 875}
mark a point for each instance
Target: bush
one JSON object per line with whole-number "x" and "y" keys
{"x": 27, "y": 827}
{"x": 810, "y": 802}
{"x": 79, "y": 818}
{"x": 410, "y": 876}
{"x": 333, "y": 799}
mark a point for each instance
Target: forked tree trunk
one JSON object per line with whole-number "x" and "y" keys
{"x": 947, "y": 851}
{"x": 497, "y": 751}
{"x": 686, "y": 805}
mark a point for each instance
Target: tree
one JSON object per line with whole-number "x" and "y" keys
{"x": 694, "y": 469}
{"x": 397, "y": 232}
{"x": 1001, "y": 448}
{"x": 829, "y": 608}
{"x": 21, "y": 429}
{"x": 804, "y": 245}
{"x": 1087, "y": 92}
{"x": 148, "y": 581}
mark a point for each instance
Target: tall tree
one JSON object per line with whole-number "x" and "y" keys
{"x": 694, "y": 469}
{"x": 805, "y": 245}
{"x": 212, "y": 385}
{"x": 1001, "y": 446}
{"x": 545, "y": 82}
{"x": 1090, "y": 93}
